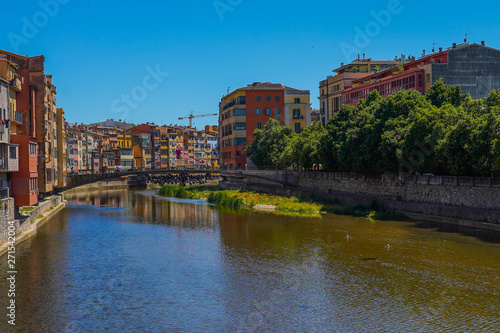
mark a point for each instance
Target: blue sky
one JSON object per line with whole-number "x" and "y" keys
{"x": 100, "y": 52}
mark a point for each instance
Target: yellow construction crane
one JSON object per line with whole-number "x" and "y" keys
{"x": 192, "y": 116}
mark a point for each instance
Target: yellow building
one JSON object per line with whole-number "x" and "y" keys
{"x": 297, "y": 109}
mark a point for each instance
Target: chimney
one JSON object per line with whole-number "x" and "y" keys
{"x": 440, "y": 49}
{"x": 454, "y": 45}
{"x": 358, "y": 56}
{"x": 423, "y": 54}
{"x": 341, "y": 64}
{"x": 483, "y": 43}
{"x": 363, "y": 55}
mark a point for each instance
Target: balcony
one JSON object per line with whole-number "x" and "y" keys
{"x": 15, "y": 84}
{"x": 296, "y": 117}
{"x": 9, "y": 161}
{"x": 16, "y": 117}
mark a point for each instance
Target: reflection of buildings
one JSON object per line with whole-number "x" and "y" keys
{"x": 153, "y": 209}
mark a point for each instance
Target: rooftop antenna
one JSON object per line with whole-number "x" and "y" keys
{"x": 228, "y": 89}
{"x": 434, "y": 47}
{"x": 467, "y": 34}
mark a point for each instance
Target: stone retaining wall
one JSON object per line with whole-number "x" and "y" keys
{"x": 24, "y": 225}
{"x": 483, "y": 193}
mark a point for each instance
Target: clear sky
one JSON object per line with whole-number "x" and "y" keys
{"x": 159, "y": 60}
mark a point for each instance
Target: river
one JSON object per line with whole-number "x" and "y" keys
{"x": 126, "y": 261}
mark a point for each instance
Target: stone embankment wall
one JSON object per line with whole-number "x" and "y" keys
{"x": 452, "y": 200}
{"x": 441, "y": 190}
{"x": 6, "y": 215}
{"x": 26, "y": 227}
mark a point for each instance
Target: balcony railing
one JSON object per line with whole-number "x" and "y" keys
{"x": 16, "y": 117}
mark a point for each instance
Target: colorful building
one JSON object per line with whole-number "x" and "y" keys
{"x": 10, "y": 85}
{"x": 473, "y": 67}
{"x": 332, "y": 88}
{"x": 249, "y": 108}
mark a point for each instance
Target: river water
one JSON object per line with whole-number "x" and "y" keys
{"x": 125, "y": 261}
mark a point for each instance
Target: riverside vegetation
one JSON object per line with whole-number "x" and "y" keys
{"x": 281, "y": 205}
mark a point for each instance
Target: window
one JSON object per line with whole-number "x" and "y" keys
{"x": 240, "y": 142}
{"x": 33, "y": 149}
{"x": 238, "y": 154}
{"x": 268, "y": 98}
{"x": 268, "y": 112}
{"x": 12, "y": 153}
{"x": 33, "y": 185}
{"x": 297, "y": 101}
{"x": 278, "y": 98}
{"x": 297, "y": 127}
{"x": 278, "y": 113}
{"x": 296, "y": 113}
{"x": 48, "y": 175}
{"x": 259, "y": 99}
{"x": 241, "y": 100}
{"x": 258, "y": 112}
{"x": 239, "y": 112}
{"x": 240, "y": 126}
{"x": 259, "y": 125}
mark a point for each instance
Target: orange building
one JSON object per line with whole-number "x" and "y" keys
{"x": 249, "y": 108}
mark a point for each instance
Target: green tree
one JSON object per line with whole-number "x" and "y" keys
{"x": 456, "y": 148}
{"x": 270, "y": 144}
{"x": 484, "y": 136}
{"x": 440, "y": 94}
{"x": 493, "y": 99}
{"x": 306, "y": 147}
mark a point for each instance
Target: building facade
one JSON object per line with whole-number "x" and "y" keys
{"x": 331, "y": 89}
{"x": 246, "y": 109}
{"x": 473, "y": 67}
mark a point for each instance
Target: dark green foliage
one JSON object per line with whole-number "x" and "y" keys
{"x": 269, "y": 145}
{"x": 440, "y": 94}
{"x": 305, "y": 149}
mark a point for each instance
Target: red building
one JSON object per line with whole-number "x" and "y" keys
{"x": 25, "y": 181}
{"x": 412, "y": 74}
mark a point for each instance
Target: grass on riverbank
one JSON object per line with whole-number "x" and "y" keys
{"x": 283, "y": 205}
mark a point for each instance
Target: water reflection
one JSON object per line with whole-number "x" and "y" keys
{"x": 122, "y": 261}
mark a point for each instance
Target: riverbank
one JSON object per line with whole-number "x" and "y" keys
{"x": 27, "y": 225}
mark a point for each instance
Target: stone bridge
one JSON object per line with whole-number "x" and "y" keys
{"x": 73, "y": 181}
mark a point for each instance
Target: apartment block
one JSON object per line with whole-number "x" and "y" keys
{"x": 473, "y": 67}
{"x": 333, "y": 86}
{"x": 246, "y": 109}
{"x": 9, "y": 119}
